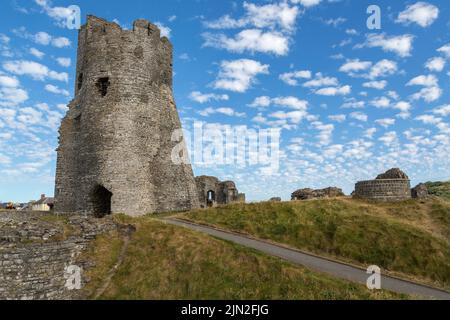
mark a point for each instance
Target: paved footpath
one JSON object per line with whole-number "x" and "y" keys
{"x": 336, "y": 269}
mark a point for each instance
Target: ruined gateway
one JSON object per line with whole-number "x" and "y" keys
{"x": 115, "y": 144}
{"x": 212, "y": 192}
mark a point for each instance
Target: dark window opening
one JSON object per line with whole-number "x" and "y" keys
{"x": 77, "y": 122}
{"x": 210, "y": 198}
{"x": 102, "y": 85}
{"x": 80, "y": 81}
{"x": 101, "y": 201}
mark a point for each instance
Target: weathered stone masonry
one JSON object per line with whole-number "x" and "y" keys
{"x": 212, "y": 192}
{"x": 115, "y": 140}
{"x": 394, "y": 185}
{"x": 34, "y": 254}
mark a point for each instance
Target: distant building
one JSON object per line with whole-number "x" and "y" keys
{"x": 393, "y": 185}
{"x": 212, "y": 192}
{"x": 43, "y": 204}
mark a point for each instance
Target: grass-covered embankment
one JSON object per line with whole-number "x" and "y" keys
{"x": 440, "y": 189}
{"x": 410, "y": 238}
{"x": 167, "y": 262}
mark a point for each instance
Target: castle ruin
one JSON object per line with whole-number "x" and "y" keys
{"x": 393, "y": 185}
{"x": 115, "y": 146}
{"x": 212, "y": 192}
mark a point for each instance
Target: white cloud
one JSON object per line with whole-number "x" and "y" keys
{"x": 337, "y": 117}
{"x": 321, "y": 81}
{"x": 385, "y": 122}
{"x": 293, "y": 116}
{"x": 42, "y": 38}
{"x": 389, "y": 138}
{"x": 206, "y": 97}
{"x": 29, "y": 116}
{"x": 370, "y": 132}
{"x": 291, "y": 102}
{"x": 428, "y": 94}
{"x": 10, "y": 92}
{"x": 36, "y": 70}
{"x": 355, "y": 66}
{"x": 443, "y": 110}
{"x": 226, "y": 111}
{"x": 64, "y": 62}
{"x": 333, "y": 91}
{"x": 287, "y": 101}
{"x": 381, "y": 102}
{"x": 11, "y": 96}
{"x": 359, "y": 116}
{"x": 352, "y": 103}
{"x": 172, "y": 18}
{"x": 382, "y": 68}
{"x": 263, "y": 101}
{"x": 375, "y": 84}
{"x": 351, "y": 32}
{"x": 239, "y": 75}
{"x": 422, "y": 80}
{"x": 325, "y": 132}
{"x": 445, "y": 50}
{"x": 307, "y": 3}
{"x": 435, "y": 64}
{"x": 428, "y": 119}
{"x": 252, "y": 40}
{"x": 400, "y": 45}
{"x": 54, "y": 89}
{"x": 4, "y": 38}
{"x": 291, "y": 78}
{"x": 60, "y": 42}
{"x": 10, "y": 82}
{"x": 165, "y": 30}
{"x": 273, "y": 16}
{"x": 335, "y": 21}
{"x": 60, "y": 14}
{"x": 404, "y": 108}
{"x": 422, "y": 13}
{"x": 62, "y": 107}
{"x": 38, "y": 54}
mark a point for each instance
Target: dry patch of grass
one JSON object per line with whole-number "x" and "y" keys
{"x": 409, "y": 238}
{"x": 168, "y": 262}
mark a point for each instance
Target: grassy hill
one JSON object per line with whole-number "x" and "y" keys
{"x": 409, "y": 238}
{"x": 440, "y": 189}
{"x": 162, "y": 261}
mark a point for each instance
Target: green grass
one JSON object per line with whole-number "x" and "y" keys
{"x": 440, "y": 189}
{"x": 167, "y": 262}
{"x": 410, "y": 238}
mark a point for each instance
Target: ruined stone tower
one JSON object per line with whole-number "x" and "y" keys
{"x": 115, "y": 141}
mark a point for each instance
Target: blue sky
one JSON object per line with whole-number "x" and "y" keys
{"x": 350, "y": 102}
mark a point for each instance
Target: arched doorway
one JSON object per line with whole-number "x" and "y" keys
{"x": 101, "y": 201}
{"x": 210, "y": 198}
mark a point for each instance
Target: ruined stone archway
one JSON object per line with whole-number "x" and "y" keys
{"x": 210, "y": 198}
{"x": 101, "y": 201}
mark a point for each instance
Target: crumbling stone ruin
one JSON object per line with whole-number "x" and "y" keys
{"x": 420, "y": 191}
{"x": 36, "y": 251}
{"x": 115, "y": 146}
{"x": 212, "y": 192}
{"x": 275, "y": 199}
{"x": 393, "y": 185}
{"x": 307, "y": 193}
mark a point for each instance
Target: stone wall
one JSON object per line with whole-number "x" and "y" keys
{"x": 212, "y": 192}
{"x": 36, "y": 248}
{"x": 116, "y": 140}
{"x": 383, "y": 189}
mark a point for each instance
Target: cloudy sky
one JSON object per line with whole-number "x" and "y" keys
{"x": 351, "y": 102}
